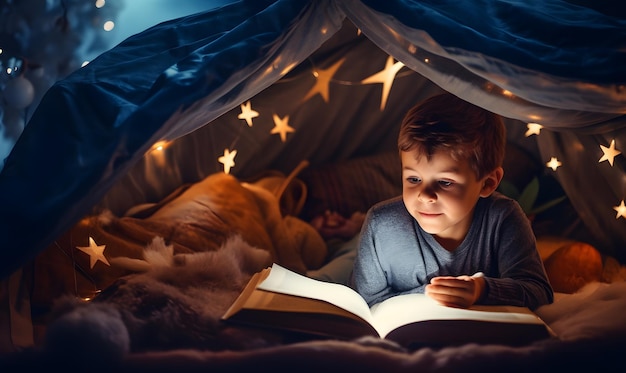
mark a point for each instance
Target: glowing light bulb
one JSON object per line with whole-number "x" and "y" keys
{"x": 621, "y": 210}
{"x": 109, "y": 25}
{"x": 554, "y": 163}
{"x": 533, "y": 129}
{"x": 159, "y": 146}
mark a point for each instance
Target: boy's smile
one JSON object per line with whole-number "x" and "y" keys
{"x": 441, "y": 193}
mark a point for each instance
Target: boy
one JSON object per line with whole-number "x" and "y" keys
{"x": 449, "y": 235}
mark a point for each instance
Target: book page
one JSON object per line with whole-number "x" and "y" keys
{"x": 408, "y": 308}
{"x": 282, "y": 280}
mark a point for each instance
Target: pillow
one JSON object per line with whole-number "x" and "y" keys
{"x": 352, "y": 185}
{"x": 572, "y": 266}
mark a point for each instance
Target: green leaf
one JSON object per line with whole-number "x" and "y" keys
{"x": 529, "y": 195}
{"x": 508, "y": 189}
{"x": 545, "y": 206}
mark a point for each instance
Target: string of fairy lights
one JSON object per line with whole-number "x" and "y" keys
{"x": 386, "y": 77}
{"x": 324, "y": 79}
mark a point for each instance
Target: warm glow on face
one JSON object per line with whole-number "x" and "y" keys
{"x": 440, "y": 193}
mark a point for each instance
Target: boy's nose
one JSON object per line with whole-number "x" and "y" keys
{"x": 426, "y": 194}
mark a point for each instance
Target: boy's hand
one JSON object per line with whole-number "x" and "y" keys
{"x": 461, "y": 291}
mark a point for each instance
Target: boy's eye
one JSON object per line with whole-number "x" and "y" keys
{"x": 413, "y": 180}
{"x": 445, "y": 183}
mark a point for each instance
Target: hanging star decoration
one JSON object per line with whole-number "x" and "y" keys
{"x": 533, "y": 129}
{"x": 228, "y": 160}
{"x": 95, "y": 252}
{"x": 282, "y": 127}
{"x": 386, "y": 77}
{"x": 621, "y": 210}
{"x": 322, "y": 84}
{"x": 554, "y": 163}
{"x": 247, "y": 113}
{"x": 609, "y": 153}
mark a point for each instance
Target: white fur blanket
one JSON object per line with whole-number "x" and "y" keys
{"x": 167, "y": 319}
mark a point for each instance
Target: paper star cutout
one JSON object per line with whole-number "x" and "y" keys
{"x": 621, "y": 210}
{"x": 282, "y": 127}
{"x": 95, "y": 252}
{"x": 533, "y": 129}
{"x": 609, "y": 153}
{"x": 228, "y": 159}
{"x": 247, "y": 113}
{"x": 386, "y": 77}
{"x": 554, "y": 163}
{"x": 323, "y": 81}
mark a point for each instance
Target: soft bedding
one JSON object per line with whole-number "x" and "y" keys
{"x": 175, "y": 266}
{"x": 167, "y": 318}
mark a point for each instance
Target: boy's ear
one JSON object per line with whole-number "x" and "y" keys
{"x": 491, "y": 182}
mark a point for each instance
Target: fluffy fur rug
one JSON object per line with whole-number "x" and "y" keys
{"x": 175, "y": 301}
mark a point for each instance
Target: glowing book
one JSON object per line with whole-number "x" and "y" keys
{"x": 279, "y": 298}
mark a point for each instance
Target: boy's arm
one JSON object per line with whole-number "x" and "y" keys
{"x": 368, "y": 277}
{"x": 522, "y": 279}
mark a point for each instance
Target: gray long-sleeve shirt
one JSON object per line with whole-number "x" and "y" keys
{"x": 395, "y": 256}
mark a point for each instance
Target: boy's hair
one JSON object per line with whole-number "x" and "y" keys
{"x": 466, "y": 131}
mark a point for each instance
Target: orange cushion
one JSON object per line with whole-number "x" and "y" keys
{"x": 572, "y": 266}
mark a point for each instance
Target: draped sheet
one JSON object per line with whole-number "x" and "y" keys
{"x": 555, "y": 62}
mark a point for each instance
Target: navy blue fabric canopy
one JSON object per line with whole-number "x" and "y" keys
{"x": 554, "y": 62}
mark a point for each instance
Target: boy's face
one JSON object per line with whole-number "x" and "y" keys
{"x": 440, "y": 194}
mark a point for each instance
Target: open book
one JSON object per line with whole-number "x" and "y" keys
{"x": 279, "y": 298}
